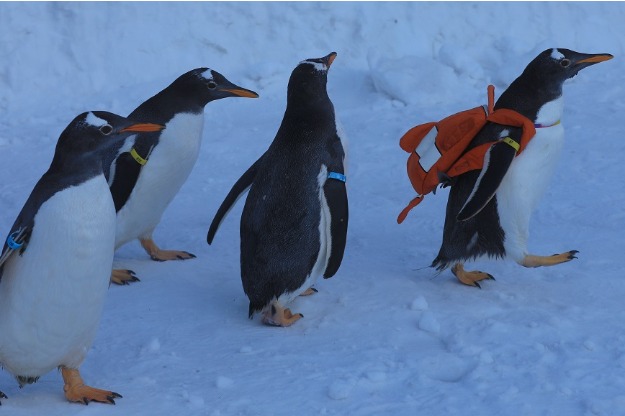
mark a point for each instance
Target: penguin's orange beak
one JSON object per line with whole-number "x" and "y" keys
{"x": 330, "y": 58}
{"x": 241, "y": 92}
{"x": 143, "y": 128}
{"x": 596, "y": 58}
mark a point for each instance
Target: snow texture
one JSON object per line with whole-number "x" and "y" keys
{"x": 387, "y": 335}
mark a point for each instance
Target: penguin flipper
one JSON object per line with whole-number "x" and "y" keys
{"x": 19, "y": 236}
{"x": 496, "y": 163}
{"x": 336, "y": 197}
{"x": 126, "y": 172}
{"x": 238, "y": 189}
{"x": 16, "y": 241}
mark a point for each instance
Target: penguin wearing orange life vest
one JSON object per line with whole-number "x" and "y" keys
{"x": 488, "y": 211}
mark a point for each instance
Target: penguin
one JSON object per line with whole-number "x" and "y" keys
{"x": 294, "y": 221}
{"x": 141, "y": 190}
{"x": 56, "y": 262}
{"x": 488, "y": 211}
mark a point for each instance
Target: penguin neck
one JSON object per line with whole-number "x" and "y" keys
{"x": 80, "y": 166}
{"x": 308, "y": 108}
{"x": 299, "y": 117}
{"x": 550, "y": 113}
{"x": 171, "y": 101}
{"x": 536, "y": 100}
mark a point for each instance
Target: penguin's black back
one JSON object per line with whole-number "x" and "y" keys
{"x": 478, "y": 236}
{"x": 280, "y": 237}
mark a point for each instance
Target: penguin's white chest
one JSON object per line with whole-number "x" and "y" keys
{"x": 52, "y": 296}
{"x": 168, "y": 167}
{"x": 527, "y": 178}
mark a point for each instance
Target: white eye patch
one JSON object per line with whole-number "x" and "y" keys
{"x": 94, "y": 120}
{"x": 556, "y": 54}
{"x": 318, "y": 65}
{"x": 207, "y": 75}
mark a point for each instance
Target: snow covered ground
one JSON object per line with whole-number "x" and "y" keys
{"x": 386, "y": 335}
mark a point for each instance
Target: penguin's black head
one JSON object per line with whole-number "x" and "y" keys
{"x": 97, "y": 131}
{"x": 554, "y": 66}
{"x": 309, "y": 78}
{"x": 209, "y": 85}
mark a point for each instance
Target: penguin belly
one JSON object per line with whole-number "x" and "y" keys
{"x": 51, "y": 297}
{"x": 523, "y": 186}
{"x": 325, "y": 243}
{"x": 168, "y": 167}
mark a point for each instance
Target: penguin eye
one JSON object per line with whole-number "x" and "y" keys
{"x": 106, "y": 129}
{"x": 565, "y": 63}
{"x": 211, "y": 85}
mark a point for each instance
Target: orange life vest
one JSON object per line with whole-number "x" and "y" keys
{"x": 439, "y": 147}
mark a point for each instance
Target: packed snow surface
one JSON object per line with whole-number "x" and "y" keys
{"x": 387, "y": 335}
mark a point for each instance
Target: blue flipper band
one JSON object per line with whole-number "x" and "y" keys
{"x": 337, "y": 176}
{"x": 11, "y": 242}
{"x": 137, "y": 157}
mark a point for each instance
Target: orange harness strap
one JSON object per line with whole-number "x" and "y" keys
{"x": 470, "y": 124}
{"x": 474, "y": 158}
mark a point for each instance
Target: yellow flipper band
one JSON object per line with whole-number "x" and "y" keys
{"x": 137, "y": 157}
{"x": 511, "y": 143}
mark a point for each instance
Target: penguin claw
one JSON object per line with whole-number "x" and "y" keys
{"x": 470, "y": 278}
{"x": 165, "y": 255}
{"x": 123, "y": 277}
{"x": 132, "y": 279}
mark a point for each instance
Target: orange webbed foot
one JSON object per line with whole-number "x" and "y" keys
{"x": 469, "y": 278}
{"x": 309, "y": 291}
{"x": 157, "y": 254}
{"x": 539, "y": 261}
{"x": 76, "y": 390}
{"x": 276, "y": 315}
